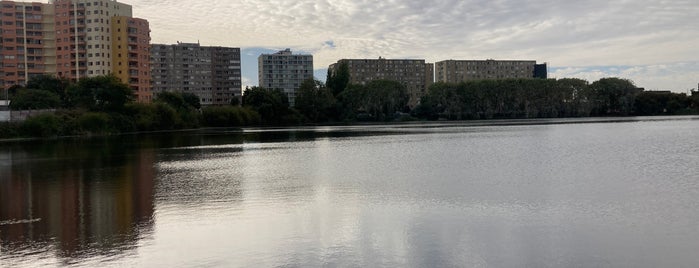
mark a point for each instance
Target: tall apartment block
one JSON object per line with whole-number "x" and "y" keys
{"x": 211, "y": 73}
{"x": 455, "y": 71}
{"x": 284, "y": 71}
{"x": 27, "y": 42}
{"x": 74, "y": 39}
{"x": 416, "y": 75}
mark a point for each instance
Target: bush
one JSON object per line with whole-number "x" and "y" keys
{"x": 9, "y": 130}
{"x": 44, "y": 125}
{"x": 166, "y": 117}
{"x": 94, "y": 123}
{"x": 158, "y": 116}
{"x": 121, "y": 123}
{"x": 229, "y": 116}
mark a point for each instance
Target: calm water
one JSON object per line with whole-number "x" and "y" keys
{"x": 592, "y": 194}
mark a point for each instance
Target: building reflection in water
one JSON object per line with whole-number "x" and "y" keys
{"x": 77, "y": 198}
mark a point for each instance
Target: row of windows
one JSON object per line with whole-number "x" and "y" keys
{"x": 19, "y": 7}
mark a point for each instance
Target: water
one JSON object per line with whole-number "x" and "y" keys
{"x": 538, "y": 193}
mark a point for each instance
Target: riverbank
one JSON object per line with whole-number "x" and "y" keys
{"x": 385, "y": 126}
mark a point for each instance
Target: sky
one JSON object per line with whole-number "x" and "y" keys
{"x": 655, "y": 43}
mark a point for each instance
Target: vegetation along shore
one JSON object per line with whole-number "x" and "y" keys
{"x": 103, "y": 105}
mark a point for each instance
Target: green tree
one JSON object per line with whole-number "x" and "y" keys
{"x": 352, "y": 102}
{"x": 314, "y": 100}
{"x": 662, "y": 103}
{"x": 184, "y": 104}
{"x": 338, "y": 81}
{"x": 385, "y": 98}
{"x": 614, "y": 96}
{"x": 272, "y": 105}
{"x": 192, "y": 100}
{"x": 58, "y": 86}
{"x": 101, "y": 93}
{"x": 29, "y": 99}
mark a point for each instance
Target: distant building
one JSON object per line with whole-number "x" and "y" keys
{"x": 211, "y": 73}
{"x": 284, "y": 71}
{"x": 131, "y": 55}
{"x": 416, "y": 75}
{"x": 73, "y": 39}
{"x": 456, "y": 71}
{"x": 27, "y": 43}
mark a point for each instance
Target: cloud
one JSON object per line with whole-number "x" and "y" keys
{"x": 679, "y": 76}
{"x": 563, "y": 33}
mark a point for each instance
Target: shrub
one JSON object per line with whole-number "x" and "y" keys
{"x": 94, "y": 123}
{"x": 44, "y": 125}
{"x": 9, "y": 130}
{"x": 229, "y": 116}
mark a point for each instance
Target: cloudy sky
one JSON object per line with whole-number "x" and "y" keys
{"x": 653, "y": 42}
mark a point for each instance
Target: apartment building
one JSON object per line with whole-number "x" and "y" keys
{"x": 27, "y": 42}
{"x": 284, "y": 71}
{"x": 211, "y": 73}
{"x": 456, "y": 71}
{"x": 72, "y": 39}
{"x": 416, "y": 75}
{"x": 131, "y": 54}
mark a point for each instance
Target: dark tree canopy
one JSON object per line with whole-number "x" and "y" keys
{"x": 378, "y": 100}
{"x": 338, "y": 82}
{"x": 615, "y": 96}
{"x": 58, "y": 86}
{"x": 30, "y": 99}
{"x": 101, "y": 93}
{"x": 272, "y": 105}
{"x": 314, "y": 101}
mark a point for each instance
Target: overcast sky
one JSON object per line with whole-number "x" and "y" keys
{"x": 653, "y": 42}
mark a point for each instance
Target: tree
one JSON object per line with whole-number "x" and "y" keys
{"x": 186, "y": 106}
{"x": 58, "y": 86}
{"x": 272, "y": 105}
{"x": 385, "y": 98}
{"x": 29, "y": 99}
{"x": 192, "y": 100}
{"x": 338, "y": 81}
{"x": 314, "y": 100}
{"x": 101, "y": 93}
{"x": 614, "y": 96}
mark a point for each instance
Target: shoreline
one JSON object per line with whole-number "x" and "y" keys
{"x": 355, "y": 125}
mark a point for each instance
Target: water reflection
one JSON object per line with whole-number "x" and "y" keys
{"x": 433, "y": 195}
{"x": 76, "y": 198}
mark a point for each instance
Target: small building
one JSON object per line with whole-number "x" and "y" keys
{"x": 5, "y": 114}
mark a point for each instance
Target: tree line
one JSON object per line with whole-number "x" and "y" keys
{"x": 549, "y": 98}
{"x": 104, "y": 105}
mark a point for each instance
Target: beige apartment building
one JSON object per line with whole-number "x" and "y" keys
{"x": 416, "y": 75}
{"x": 456, "y": 71}
{"x": 73, "y": 39}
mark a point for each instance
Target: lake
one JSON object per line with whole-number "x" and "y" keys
{"x": 523, "y": 193}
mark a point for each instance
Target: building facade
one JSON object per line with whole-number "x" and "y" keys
{"x": 416, "y": 75}
{"x": 27, "y": 42}
{"x": 72, "y": 39}
{"x": 284, "y": 71}
{"x": 131, "y": 54}
{"x": 211, "y": 73}
{"x": 456, "y": 71}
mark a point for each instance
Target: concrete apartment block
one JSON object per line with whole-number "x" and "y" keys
{"x": 211, "y": 73}
{"x": 416, "y": 75}
{"x": 284, "y": 71}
